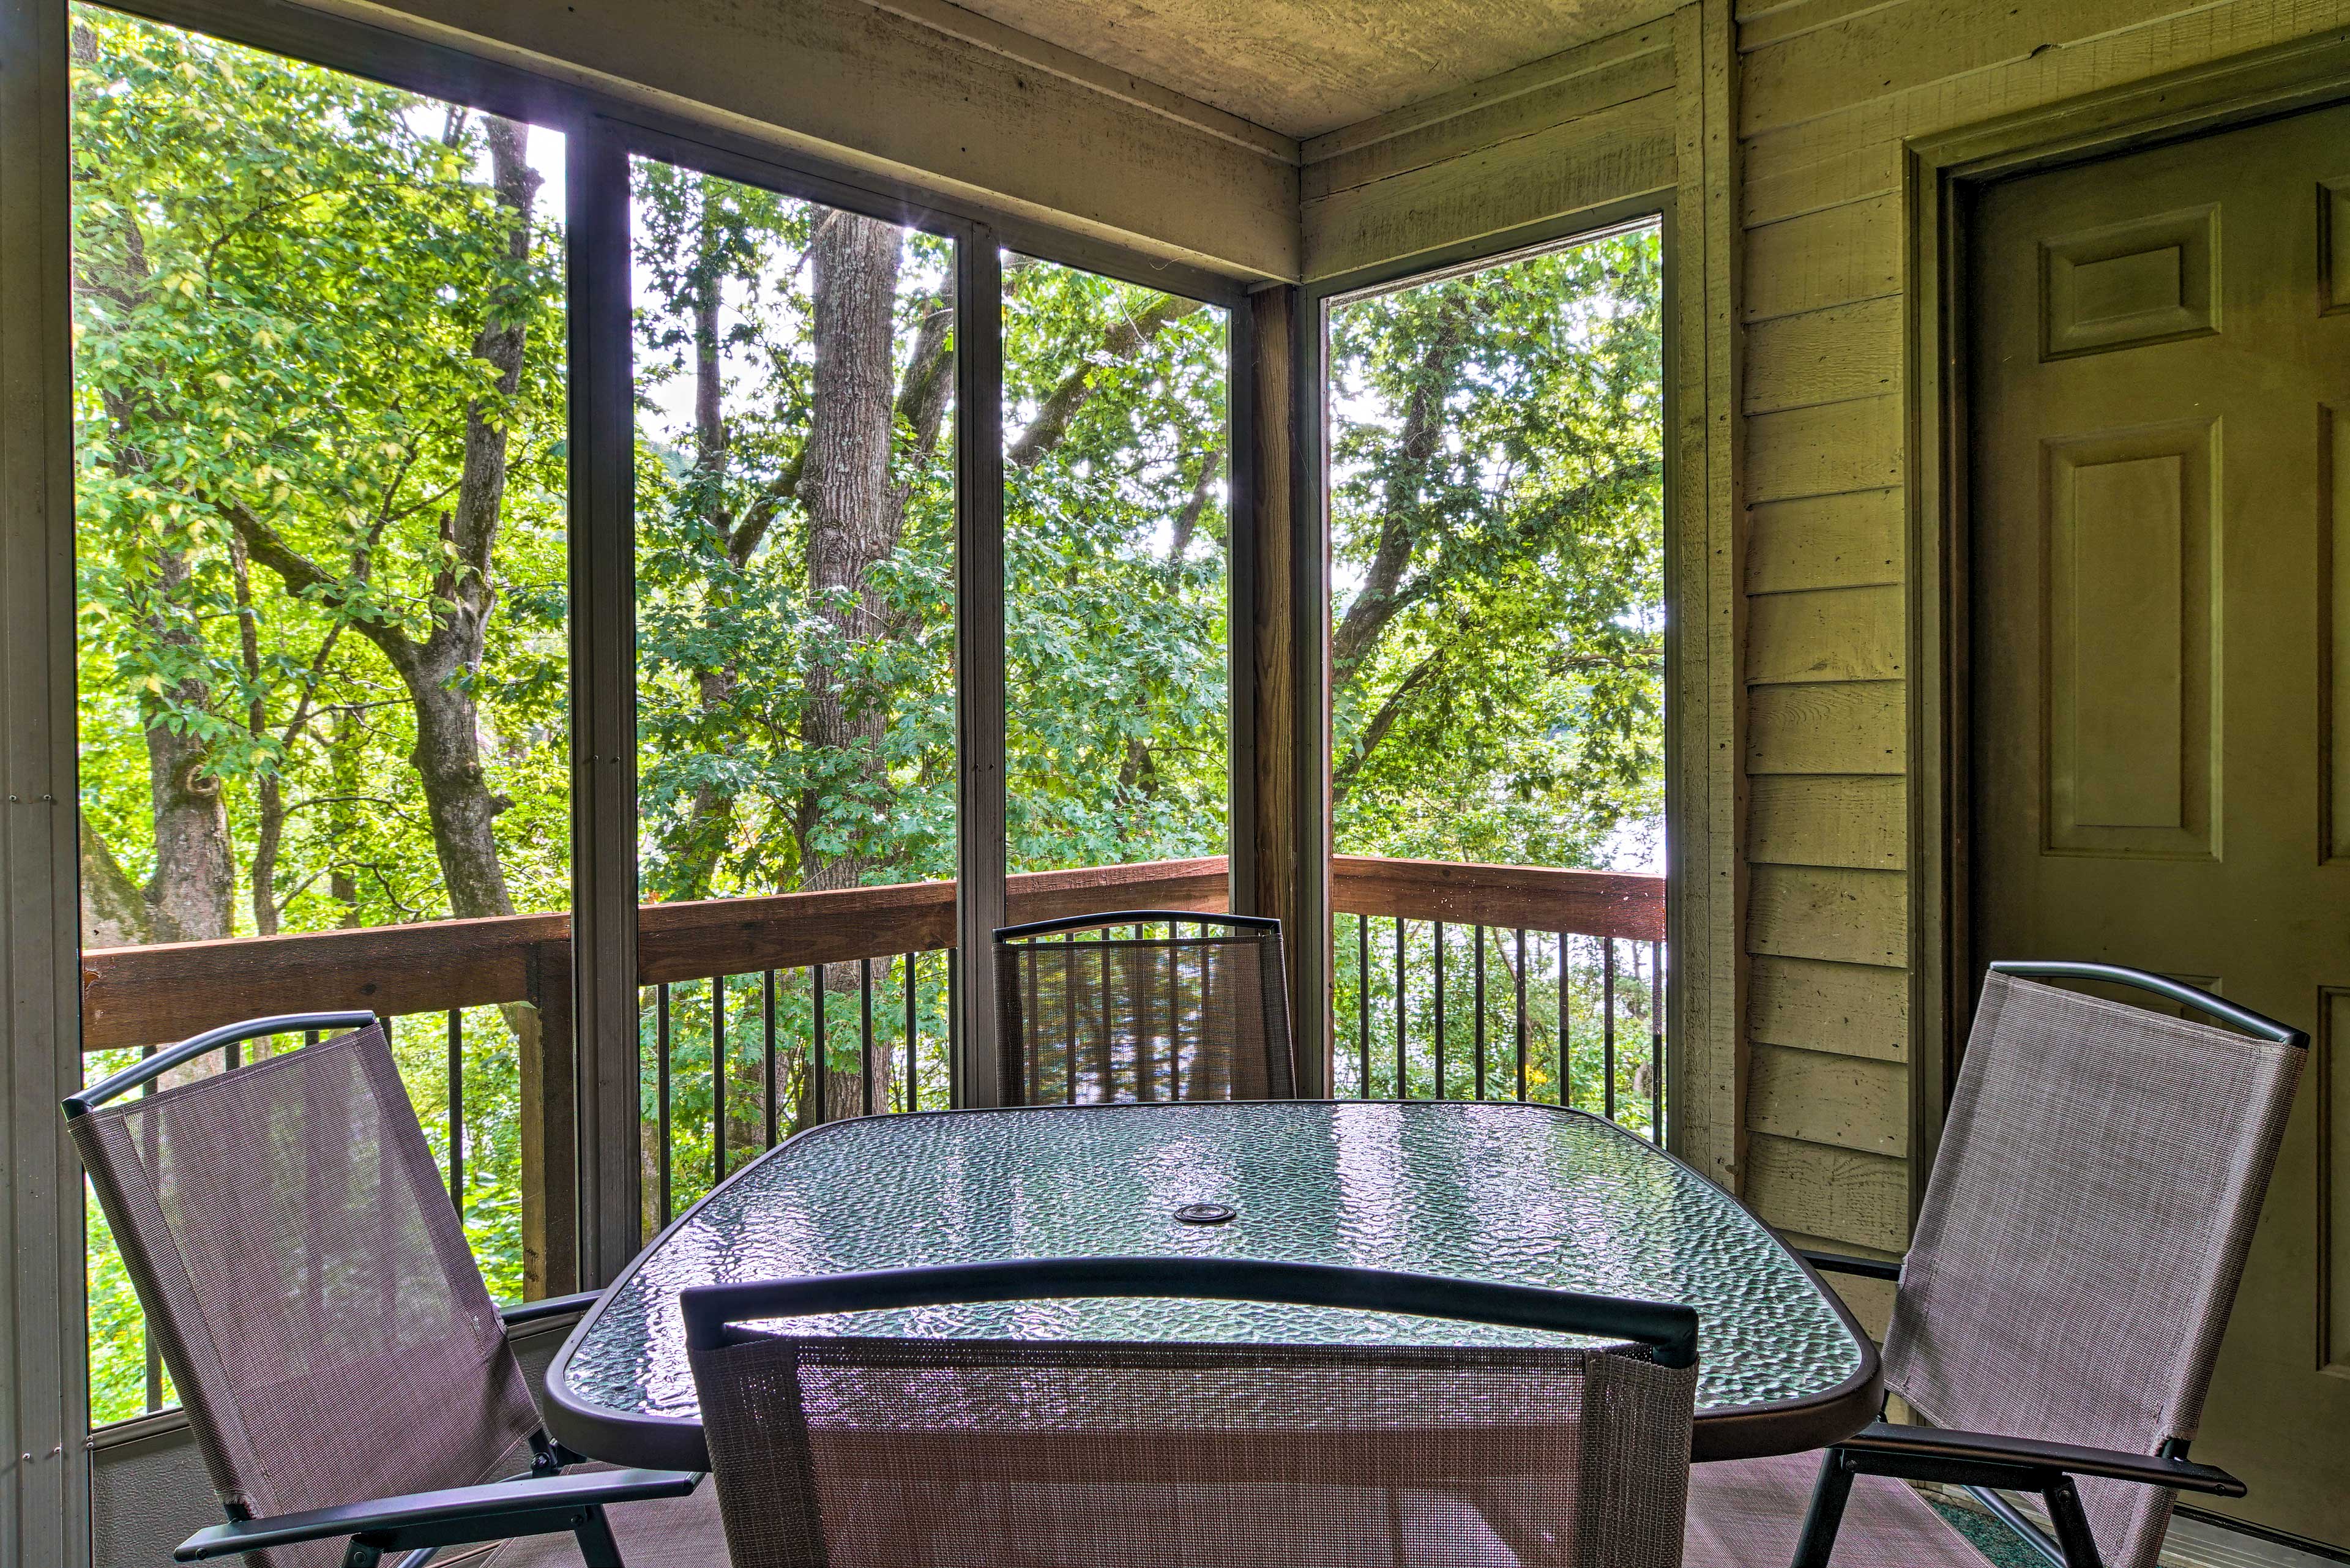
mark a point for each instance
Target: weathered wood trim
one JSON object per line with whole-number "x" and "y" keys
{"x": 1638, "y": 63}
{"x": 1535, "y": 898}
{"x": 1620, "y": 52}
{"x": 1039, "y": 54}
{"x": 1831, "y": 355}
{"x": 840, "y": 90}
{"x": 44, "y": 1405}
{"x": 1825, "y": 634}
{"x": 1705, "y": 776}
{"x": 1580, "y": 166}
{"x": 1831, "y": 256}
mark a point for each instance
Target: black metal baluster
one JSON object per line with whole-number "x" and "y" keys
{"x": 1403, "y": 1081}
{"x": 660, "y": 1057}
{"x": 1657, "y": 1045}
{"x": 1566, "y": 1039}
{"x": 1478, "y": 1032}
{"x": 1363, "y": 1005}
{"x": 457, "y": 1111}
{"x": 818, "y": 1066}
{"x": 1174, "y": 1015}
{"x": 913, "y": 1090}
{"x": 1439, "y": 1010}
{"x": 717, "y": 1079}
{"x": 1607, "y": 1027}
{"x": 1108, "y": 1057}
{"x": 768, "y": 1006}
{"x": 955, "y": 999}
{"x": 865, "y": 1043}
{"x": 1522, "y": 1015}
{"x": 1069, "y": 1019}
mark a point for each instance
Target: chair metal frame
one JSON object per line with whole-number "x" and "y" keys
{"x": 541, "y": 1502}
{"x": 1013, "y": 1070}
{"x": 1986, "y": 1464}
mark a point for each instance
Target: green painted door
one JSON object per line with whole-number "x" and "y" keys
{"x": 2160, "y": 659}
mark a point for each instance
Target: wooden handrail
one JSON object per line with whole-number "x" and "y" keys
{"x": 145, "y": 995}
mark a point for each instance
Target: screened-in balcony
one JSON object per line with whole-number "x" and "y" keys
{"x": 1664, "y": 673}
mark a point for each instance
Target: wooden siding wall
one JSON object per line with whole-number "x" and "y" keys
{"x": 1830, "y": 90}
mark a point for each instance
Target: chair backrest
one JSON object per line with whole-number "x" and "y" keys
{"x": 308, "y": 1283}
{"x": 1109, "y": 1007}
{"x": 2085, "y": 1224}
{"x": 927, "y": 1453}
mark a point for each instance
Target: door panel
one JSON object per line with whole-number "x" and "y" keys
{"x": 2160, "y": 599}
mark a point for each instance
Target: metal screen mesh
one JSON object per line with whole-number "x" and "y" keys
{"x": 1144, "y": 1018}
{"x": 309, "y": 1285}
{"x": 2083, "y": 1230}
{"x": 934, "y": 1453}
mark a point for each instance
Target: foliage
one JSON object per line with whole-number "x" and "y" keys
{"x": 320, "y": 414}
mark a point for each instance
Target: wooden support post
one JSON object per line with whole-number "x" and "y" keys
{"x": 550, "y": 1152}
{"x": 1288, "y": 867}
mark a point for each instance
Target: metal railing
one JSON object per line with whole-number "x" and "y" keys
{"x": 740, "y": 998}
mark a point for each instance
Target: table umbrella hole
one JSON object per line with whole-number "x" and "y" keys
{"x": 1204, "y": 1213}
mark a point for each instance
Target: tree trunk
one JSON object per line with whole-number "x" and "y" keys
{"x": 853, "y": 522}
{"x": 114, "y": 913}
{"x": 195, "y": 872}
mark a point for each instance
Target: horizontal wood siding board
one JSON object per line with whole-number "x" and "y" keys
{"x": 1845, "y": 1009}
{"x": 1839, "y": 1195}
{"x": 1831, "y": 356}
{"x": 1888, "y": 50}
{"x": 1601, "y": 56}
{"x": 1853, "y": 727}
{"x": 1828, "y": 912}
{"x": 1799, "y": 820}
{"x": 1593, "y": 903}
{"x": 1851, "y": 1102}
{"x": 1836, "y": 255}
{"x": 1626, "y": 78}
{"x": 1827, "y": 450}
{"x": 1619, "y": 152}
{"x": 1761, "y": 26}
{"x": 1828, "y": 634}
{"x": 1849, "y": 541}
{"x": 1788, "y": 176}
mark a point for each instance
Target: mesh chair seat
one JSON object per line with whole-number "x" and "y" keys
{"x": 1088, "y": 1016}
{"x": 309, "y": 1286}
{"x": 911, "y": 1452}
{"x": 2084, "y": 1230}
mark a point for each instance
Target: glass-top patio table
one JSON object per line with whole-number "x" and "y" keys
{"x": 1524, "y": 1194}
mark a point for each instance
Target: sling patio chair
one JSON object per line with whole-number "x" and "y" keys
{"x": 941, "y": 1452}
{"x": 1202, "y": 1015}
{"x": 2060, "y": 1307}
{"x": 344, "y": 1371}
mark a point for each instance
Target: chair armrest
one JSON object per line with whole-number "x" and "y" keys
{"x": 553, "y": 1306}
{"x": 451, "y": 1515}
{"x": 1938, "y": 1445}
{"x": 1845, "y": 1264}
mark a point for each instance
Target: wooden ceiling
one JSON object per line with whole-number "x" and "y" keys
{"x": 1304, "y": 67}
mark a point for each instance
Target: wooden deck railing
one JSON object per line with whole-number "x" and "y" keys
{"x": 723, "y": 957}
{"x": 1396, "y": 1036}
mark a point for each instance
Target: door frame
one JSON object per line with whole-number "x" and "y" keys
{"x": 1945, "y": 175}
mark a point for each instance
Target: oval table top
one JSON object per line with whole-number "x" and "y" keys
{"x": 1522, "y": 1194}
